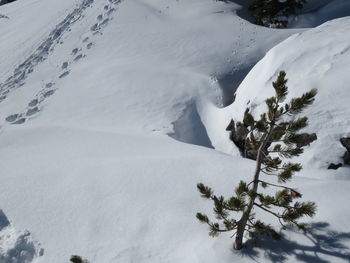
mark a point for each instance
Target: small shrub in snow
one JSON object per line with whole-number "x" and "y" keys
{"x": 274, "y": 13}
{"x": 277, "y": 128}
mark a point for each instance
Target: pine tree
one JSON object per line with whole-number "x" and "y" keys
{"x": 278, "y": 127}
{"x": 274, "y": 12}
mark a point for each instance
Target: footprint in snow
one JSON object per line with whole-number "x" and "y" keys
{"x": 94, "y": 28}
{"x": 12, "y": 118}
{"x": 32, "y": 111}
{"x": 64, "y": 65}
{"x": 75, "y": 51}
{"x": 111, "y": 11}
{"x": 64, "y": 74}
{"x": 49, "y": 93}
{"x": 33, "y": 103}
{"x": 49, "y": 85}
{"x": 20, "y": 121}
{"x": 80, "y": 56}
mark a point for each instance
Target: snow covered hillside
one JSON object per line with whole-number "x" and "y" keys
{"x": 111, "y": 111}
{"x": 310, "y": 63}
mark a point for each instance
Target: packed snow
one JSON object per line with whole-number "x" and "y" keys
{"x": 112, "y": 111}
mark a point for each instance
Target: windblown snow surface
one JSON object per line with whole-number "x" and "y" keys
{"x": 111, "y": 111}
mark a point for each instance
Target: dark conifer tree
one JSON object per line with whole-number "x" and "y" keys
{"x": 278, "y": 127}
{"x": 274, "y": 12}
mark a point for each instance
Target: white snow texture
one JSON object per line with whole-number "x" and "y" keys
{"x": 111, "y": 111}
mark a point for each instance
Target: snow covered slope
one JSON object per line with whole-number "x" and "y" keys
{"x": 97, "y": 100}
{"x": 317, "y": 58}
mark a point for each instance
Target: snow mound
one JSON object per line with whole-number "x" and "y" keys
{"x": 16, "y": 246}
{"x": 317, "y": 58}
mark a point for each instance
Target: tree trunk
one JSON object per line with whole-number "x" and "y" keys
{"x": 242, "y": 223}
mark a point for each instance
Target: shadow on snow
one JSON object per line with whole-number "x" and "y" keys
{"x": 321, "y": 242}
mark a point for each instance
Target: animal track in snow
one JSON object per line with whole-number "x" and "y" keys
{"x": 40, "y": 54}
{"x": 35, "y": 104}
{"x": 89, "y": 46}
{"x": 64, "y": 74}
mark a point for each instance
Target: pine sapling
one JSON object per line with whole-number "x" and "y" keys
{"x": 275, "y": 136}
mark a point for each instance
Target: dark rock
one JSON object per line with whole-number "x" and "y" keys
{"x": 346, "y": 143}
{"x": 4, "y": 222}
{"x": 306, "y": 139}
{"x": 238, "y": 135}
{"x": 346, "y": 158}
{"x": 333, "y": 166}
{"x": 76, "y": 259}
{"x": 230, "y": 126}
{"x": 239, "y": 132}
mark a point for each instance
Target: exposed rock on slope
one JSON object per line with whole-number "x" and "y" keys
{"x": 346, "y": 143}
{"x": 317, "y": 58}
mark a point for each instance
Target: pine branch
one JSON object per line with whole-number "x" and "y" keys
{"x": 297, "y": 194}
{"x": 261, "y": 133}
{"x": 267, "y": 210}
{"x": 206, "y": 192}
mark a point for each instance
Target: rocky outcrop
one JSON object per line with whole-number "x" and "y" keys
{"x": 238, "y": 136}
{"x": 306, "y": 139}
{"x": 239, "y": 133}
{"x": 346, "y": 143}
{"x": 333, "y": 166}
{"x": 4, "y": 222}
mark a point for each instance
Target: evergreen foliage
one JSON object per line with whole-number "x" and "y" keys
{"x": 278, "y": 128}
{"x": 274, "y": 12}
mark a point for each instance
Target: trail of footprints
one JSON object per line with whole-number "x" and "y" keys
{"x": 40, "y": 54}
{"x": 35, "y": 105}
